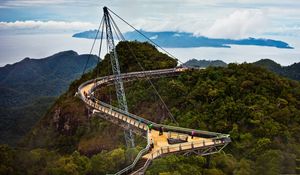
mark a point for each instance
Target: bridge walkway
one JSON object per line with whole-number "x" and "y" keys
{"x": 203, "y": 142}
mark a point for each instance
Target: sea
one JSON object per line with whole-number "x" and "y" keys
{"x": 14, "y": 48}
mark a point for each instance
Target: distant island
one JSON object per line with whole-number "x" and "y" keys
{"x": 170, "y": 39}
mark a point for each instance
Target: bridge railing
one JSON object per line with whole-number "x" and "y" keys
{"x": 205, "y": 134}
{"x": 135, "y": 117}
{"x": 125, "y": 75}
{"x": 201, "y": 133}
{"x": 138, "y": 157}
{"x": 128, "y": 75}
{"x": 189, "y": 146}
{"x": 197, "y": 132}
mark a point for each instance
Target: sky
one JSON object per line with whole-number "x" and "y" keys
{"x": 232, "y": 19}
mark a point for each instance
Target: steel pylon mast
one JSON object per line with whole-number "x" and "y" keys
{"x": 129, "y": 138}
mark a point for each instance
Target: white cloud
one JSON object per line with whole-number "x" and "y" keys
{"x": 239, "y": 24}
{"x": 42, "y": 26}
{"x": 154, "y": 37}
{"x": 285, "y": 30}
{"x": 214, "y": 18}
{"x": 176, "y": 35}
{"x": 25, "y": 3}
{"x": 172, "y": 23}
{"x": 47, "y": 3}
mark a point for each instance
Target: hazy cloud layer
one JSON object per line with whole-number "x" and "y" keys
{"x": 46, "y": 26}
{"x": 26, "y": 3}
{"x": 239, "y": 24}
{"x": 213, "y": 18}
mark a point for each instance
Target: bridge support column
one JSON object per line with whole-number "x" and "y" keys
{"x": 208, "y": 161}
{"x": 117, "y": 73}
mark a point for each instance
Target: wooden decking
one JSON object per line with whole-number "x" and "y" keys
{"x": 161, "y": 145}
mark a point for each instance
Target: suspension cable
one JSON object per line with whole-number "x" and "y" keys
{"x": 100, "y": 47}
{"x": 144, "y": 36}
{"x": 115, "y": 31}
{"x": 118, "y": 30}
{"x": 84, "y": 69}
{"x": 147, "y": 78}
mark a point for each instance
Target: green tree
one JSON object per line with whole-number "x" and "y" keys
{"x": 243, "y": 168}
{"x": 269, "y": 163}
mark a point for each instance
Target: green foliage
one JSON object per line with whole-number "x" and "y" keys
{"x": 177, "y": 165}
{"x": 73, "y": 164}
{"x": 291, "y": 71}
{"x": 6, "y": 160}
{"x": 244, "y": 168}
{"x": 19, "y": 161}
{"x": 205, "y": 63}
{"x": 269, "y": 163}
{"x": 42, "y": 161}
{"x": 259, "y": 109}
{"x": 227, "y": 163}
{"x": 213, "y": 171}
{"x": 30, "y": 87}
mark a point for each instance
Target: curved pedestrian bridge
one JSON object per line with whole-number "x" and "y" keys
{"x": 159, "y": 139}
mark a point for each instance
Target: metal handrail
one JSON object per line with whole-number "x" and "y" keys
{"x": 125, "y": 75}
{"x": 140, "y": 119}
{"x": 188, "y": 130}
{"x": 192, "y": 143}
{"x": 182, "y": 146}
{"x": 167, "y": 127}
{"x": 143, "y": 167}
{"x": 141, "y": 153}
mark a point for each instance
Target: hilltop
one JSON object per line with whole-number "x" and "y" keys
{"x": 291, "y": 71}
{"x": 205, "y": 63}
{"x": 29, "y": 87}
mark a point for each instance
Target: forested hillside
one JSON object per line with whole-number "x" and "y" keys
{"x": 29, "y": 87}
{"x": 291, "y": 71}
{"x": 259, "y": 109}
{"x": 205, "y": 63}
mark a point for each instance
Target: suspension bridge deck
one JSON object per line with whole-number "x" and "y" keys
{"x": 203, "y": 142}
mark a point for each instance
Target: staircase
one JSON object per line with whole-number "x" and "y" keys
{"x": 139, "y": 167}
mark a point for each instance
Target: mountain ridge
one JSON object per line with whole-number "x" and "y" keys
{"x": 205, "y": 63}
{"x": 292, "y": 71}
{"x": 24, "y": 83}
